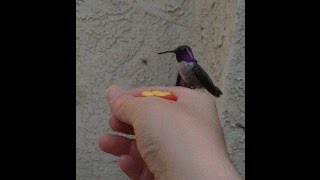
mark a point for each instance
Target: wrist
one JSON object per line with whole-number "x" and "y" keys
{"x": 203, "y": 160}
{"x": 206, "y": 169}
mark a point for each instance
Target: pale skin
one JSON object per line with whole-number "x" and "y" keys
{"x": 173, "y": 140}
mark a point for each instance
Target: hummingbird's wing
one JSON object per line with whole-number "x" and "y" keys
{"x": 205, "y": 80}
{"x": 181, "y": 82}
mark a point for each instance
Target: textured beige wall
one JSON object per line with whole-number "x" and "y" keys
{"x": 115, "y": 36}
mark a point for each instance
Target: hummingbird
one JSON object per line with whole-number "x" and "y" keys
{"x": 190, "y": 73}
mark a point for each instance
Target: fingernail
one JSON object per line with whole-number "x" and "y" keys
{"x": 113, "y": 92}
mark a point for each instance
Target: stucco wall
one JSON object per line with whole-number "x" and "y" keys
{"x": 115, "y": 38}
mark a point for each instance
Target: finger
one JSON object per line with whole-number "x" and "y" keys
{"x": 113, "y": 92}
{"x": 133, "y": 164}
{"x": 137, "y": 91}
{"x": 183, "y": 94}
{"x": 127, "y": 107}
{"x": 116, "y": 145}
{"x": 116, "y": 98}
{"x": 128, "y": 166}
{"x": 146, "y": 174}
{"x": 119, "y": 126}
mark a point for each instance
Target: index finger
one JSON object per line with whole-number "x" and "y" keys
{"x": 126, "y": 105}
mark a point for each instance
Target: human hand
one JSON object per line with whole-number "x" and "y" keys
{"x": 173, "y": 140}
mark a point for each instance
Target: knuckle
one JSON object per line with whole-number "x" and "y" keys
{"x": 121, "y": 104}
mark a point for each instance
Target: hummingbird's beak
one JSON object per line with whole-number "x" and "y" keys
{"x": 172, "y": 51}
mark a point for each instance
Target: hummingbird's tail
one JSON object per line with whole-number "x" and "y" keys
{"x": 215, "y": 91}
